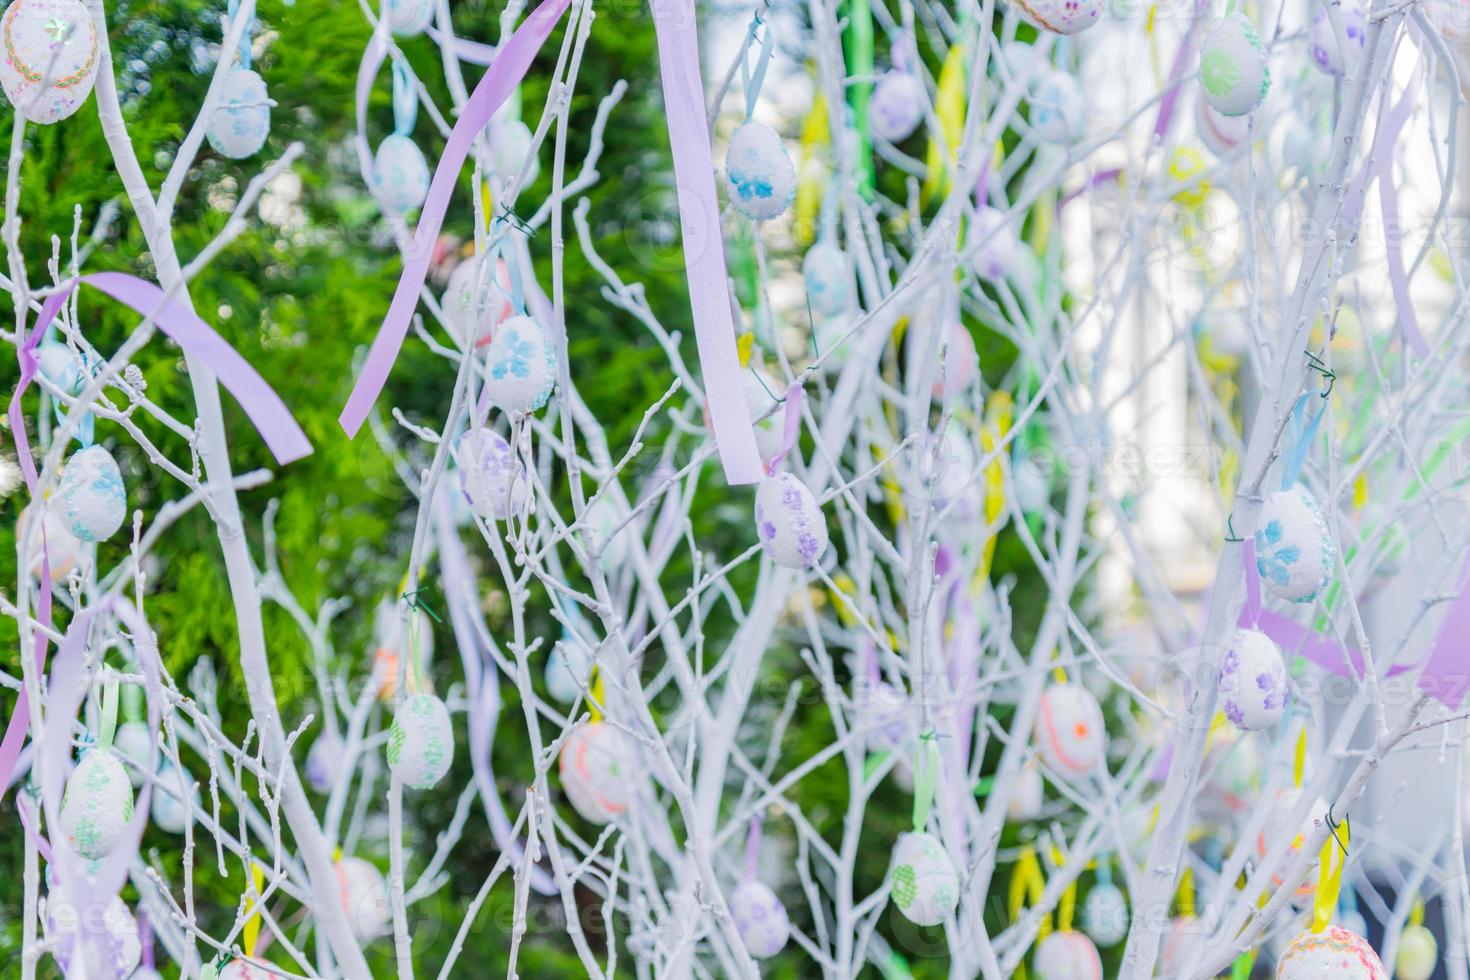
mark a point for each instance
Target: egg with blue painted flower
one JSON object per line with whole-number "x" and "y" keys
{"x": 409, "y": 18}
{"x": 896, "y": 106}
{"x": 1294, "y": 550}
{"x": 36, "y": 32}
{"x": 96, "y": 938}
{"x": 1333, "y": 954}
{"x": 490, "y": 476}
{"x": 421, "y": 741}
{"x": 1232, "y": 66}
{"x": 1105, "y": 914}
{"x": 1061, "y": 16}
{"x": 1067, "y": 955}
{"x": 1058, "y": 111}
{"x": 400, "y": 174}
{"x": 759, "y": 177}
{"x": 789, "y": 522}
{"x": 242, "y": 120}
{"x": 830, "y": 288}
{"x": 93, "y": 501}
{"x": 520, "y": 366}
{"x": 1253, "y": 686}
{"x": 922, "y": 880}
{"x": 760, "y": 918}
{"x": 96, "y": 804}
{"x": 1338, "y": 54}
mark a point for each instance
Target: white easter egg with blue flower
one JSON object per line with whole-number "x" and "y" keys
{"x": 596, "y": 771}
{"x": 1232, "y": 66}
{"x": 96, "y": 805}
{"x": 1058, "y": 111}
{"x": 1070, "y": 735}
{"x": 1253, "y": 686}
{"x": 994, "y": 247}
{"x": 93, "y": 939}
{"x": 1061, "y": 16}
{"x": 789, "y": 522}
{"x": 400, "y": 174}
{"x": 133, "y": 742}
{"x": 1294, "y": 550}
{"x": 410, "y": 18}
{"x": 1067, "y": 955}
{"x": 922, "y": 880}
{"x": 759, "y": 177}
{"x": 364, "y": 898}
{"x": 1333, "y": 954}
{"x": 167, "y": 807}
{"x": 897, "y": 106}
{"x": 1338, "y": 55}
{"x": 568, "y": 669}
{"x": 830, "y": 287}
{"x": 33, "y": 30}
{"x": 520, "y": 366}
{"x": 421, "y": 741}
{"x": 242, "y": 120}
{"x": 760, "y": 918}
{"x": 510, "y": 148}
{"x": 1220, "y": 133}
{"x": 490, "y": 476}
{"x": 93, "y": 501}
{"x": 1105, "y": 914}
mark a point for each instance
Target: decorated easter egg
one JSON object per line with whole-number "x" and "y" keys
{"x": 1061, "y": 16}
{"x": 400, "y": 174}
{"x": 520, "y": 366}
{"x": 1327, "y": 48}
{"x": 242, "y": 121}
{"x": 1068, "y": 955}
{"x": 33, "y": 30}
{"x": 789, "y": 522}
{"x": 1220, "y": 133}
{"x": 60, "y": 366}
{"x": 1452, "y": 18}
{"x": 492, "y": 479}
{"x": 409, "y": 18}
{"x": 568, "y": 667}
{"x": 364, "y": 898}
{"x": 759, "y": 177}
{"x": 97, "y": 804}
{"x": 993, "y": 246}
{"x": 834, "y": 340}
{"x": 1232, "y": 66}
{"x": 922, "y": 880}
{"x": 601, "y": 532}
{"x": 830, "y": 288}
{"x": 1253, "y": 688}
{"x": 1294, "y": 551}
{"x": 1418, "y": 954}
{"x": 93, "y": 500}
{"x": 1286, "y": 801}
{"x": 883, "y": 713}
{"x": 510, "y": 146}
{"x": 1183, "y": 934}
{"x": 760, "y": 919}
{"x": 1033, "y": 491}
{"x": 242, "y": 970}
{"x": 322, "y": 761}
{"x": 63, "y": 548}
{"x": 1333, "y": 954}
{"x": 134, "y": 744}
{"x": 1069, "y": 730}
{"x": 1058, "y": 111}
{"x": 421, "y": 741}
{"x": 97, "y": 941}
{"x": 760, "y": 398}
{"x": 1105, "y": 914}
{"x": 596, "y": 771}
{"x": 961, "y": 361}
{"x": 948, "y": 473}
{"x": 463, "y": 316}
{"x": 1186, "y": 173}
{"x": 896, "y": 106}
{"x": 167, "y": 808}
{"x": 1027, "y": 796}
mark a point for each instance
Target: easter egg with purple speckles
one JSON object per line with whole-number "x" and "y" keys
{"x": 896, "y": 106}
{"x": 760, "y": 918}
{"x": 1061, "y": 16}
{"x": 789, "y": 522}
{"x": 1335, "y": 54}
{"x": 1253, "y": 686}
{"x": 32, "y": 31}
{"x": 97, "y": 941}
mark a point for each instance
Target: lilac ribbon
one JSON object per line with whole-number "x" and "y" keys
{"x": 704, "y": 254}
{"x": 1446, "y": 674}
{"x": 791, "y": 426}
{"x": 505, "y": 73}
{"x": 1176, "y": 73}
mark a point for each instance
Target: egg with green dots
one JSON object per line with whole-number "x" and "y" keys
{"x": 922, "y": 880}
{"x": 421, "y": 741}
{"x": 97, "y": 804}
{"x": 1232, "y": 67}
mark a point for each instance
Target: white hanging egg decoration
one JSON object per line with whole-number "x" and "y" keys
{"x": 421, "y": 741}
{"x": 993, "y": 245}
{"x": 1286, "y": 801}
{"x": 134, "y": 743}
{"x": 1033, "y": 490}
{"x": 458, "y": 303}
{"x": 32, "y": 30}
{"x": 1027, "y": 796}
{"x": 322, "y": 761}
{"x": 1058, "y": 111}
{"x": 760, "y": 918}
{"x": 96, "y": 805}
{"x": 1061, "y": 16}
{"x": 58, "y": 365}
{"x": 1418, "y": 954}
{"x": 833, "y": 340}
{"x": 93, "y": 500}
{"x": 242, "y": 121}
{"x": 490, "y": 476}
{"x": 400, "y": 174}
{"x": 961, "y": 360}
{"x": 1452, "y": 17}
{"x": 1333, "y": 954}
{"x": 520, "y": 366}
{"x": 922, "y": 879}
{"x": 596, "y": 772}
{"x": 896, "y": 106}
{"x": 410, "y": 18}
{"x": 568, "y": 668}
{"x": 63, "y": 548}
{"x": 830, "y": 287}
{"x": 789, "y": 522}
{"x": 1220, "y": 133}
{"x": 1295, "y": 554}
{"x": 242, "y": 970}
{"x": 1067, "y": 955}
{"x": 1253, "y": 685}
{"x": 510, "y": 145}
{"x": 364, "y": 898}
{"x": 759, "y": 399}
{"x": 167, "y": 808}
{"x": 1327, "y": 50}
{"x": 1105, "y": 914}
{"x": 601, "y": 531}
{"x": 1070, "y": 734}
{"x": 103, "y": 946}
{"x": 759, "y": 177}
{"x": 1232, "y": 67}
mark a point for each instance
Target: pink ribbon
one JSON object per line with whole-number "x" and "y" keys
{"x": 506, "y": 72}
{"x": 704, "y": 252}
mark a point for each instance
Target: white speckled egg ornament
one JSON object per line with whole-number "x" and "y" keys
{"x": 167, "y": 808}
{"x": 1220, "y": 133}
{"x": 1058, "y": 111}
{"x": 1323, "y": 43}
{"x": 1253, "y": 687}
{"x": 93, "y": 500}
{"x": 759, "y": 177}
{"x": 1070, "y": 735}
{"x": 596, "y": 772}
{"x": 600, "y": 520}
{"x": 364, "y": 898}
{"x": 1232, "y": 67}
{"x": 62, "y": 547}
{"x": 242, "y": 121}
{"x": 133, "y": 743}
{"x": 103, "y": 946}
{"x": 421, "y": 741}
{"x": 1418, "y": 954}
{"x": 1105, "y": 914}
{"x": 400, "y": 173}
{"x": 568, "y": 667}
{"x": 458, "y": 303}
{"x": 789, "y": 522}
{"x": 520, "y": 366}
{"x": 759, "y": 399}
{"x": 830, "y": 288}
{"x": 410, "y": 18}
{"x": 922, "y": 880}
{"x": 896, "y": 106}
{"x": 96, "y": 805}
{"x": 760, "y": 918}
{"x": 1333, "y": 954}
{"x": 489, "y": 474}
{"x": 322, "y": 761}
{"x": 1027, "y": 796}
{"x": 31, "y": 30}
{"x": 993, "y": 245}
{"x": 1294, "y": 551}
{"x": 1068, "y": 955}
{"x": 510, "y": 144}
{"x": 1061, "y": 16}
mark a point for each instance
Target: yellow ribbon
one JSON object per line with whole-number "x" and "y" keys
{"x": 594, "y": 705}
{"x": 1184, "y": 898}
{"x": 949, "y": 105}
{"x": 1301, "y": 758}
{"x": 252, "y": 924}
{"x": 997, "y": 423}
{"x": 1329, "y": 885}
{"x": 1067, "y": 907}
{"x": 811, "y": 183}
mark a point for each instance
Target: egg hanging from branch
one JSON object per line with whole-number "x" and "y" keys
{"x": 93, "y": 500}
{"x": 1295, "y": 553}
{"x": 520, "y": 366}
{"x": 1232, "y": 67}
{"x": 760, "y": 918}
{"x": 789, "y": 522}
{"x": 34, "y": 33}
{"x": 242, "y": 120}
{"x": 1070, "y": 735}
{"x": 97, "y": 804}
{"x": 421, "y": 741}
{"x": 1333, "y": 954}
{"x": 1253, "y": 685}
{"x": 400, "y": 174}
{"x": 595, "y": 772}
{"x": 759, "y": 176}
{"x": 922, "y": 880}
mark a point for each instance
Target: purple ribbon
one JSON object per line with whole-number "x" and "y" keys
{"x": 1446, "y": 674}
{"x": 1182, "y": 59}
{"x": 506, "y": 72}
{"x": 791, "y": 426}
